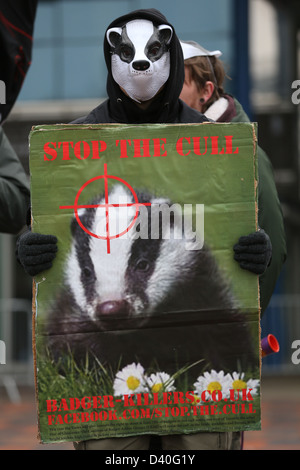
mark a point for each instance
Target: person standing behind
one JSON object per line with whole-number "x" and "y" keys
{"x": 203, "y": 90}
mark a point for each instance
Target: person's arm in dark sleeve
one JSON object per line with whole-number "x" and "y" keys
{"x": 16, "y": 35}
{"x": 14, "y": 189}
{"x": 270, "y": 219}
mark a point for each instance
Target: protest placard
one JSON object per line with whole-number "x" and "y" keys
{"x": 145, "y": 323}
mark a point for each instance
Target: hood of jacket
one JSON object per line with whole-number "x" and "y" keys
{"x": 164, "y": 106}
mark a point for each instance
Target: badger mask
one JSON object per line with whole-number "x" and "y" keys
{"x": 140, "y": 57}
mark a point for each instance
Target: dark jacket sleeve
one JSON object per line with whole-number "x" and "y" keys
{"x": 16, "y": 31}
{"x": 14, "y": 189}
{"x": 271, "y": 220}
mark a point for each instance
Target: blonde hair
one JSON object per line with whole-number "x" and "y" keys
{"x": 207, "y": 68}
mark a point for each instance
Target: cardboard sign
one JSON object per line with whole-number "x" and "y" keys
{"x": 145, "y": 324}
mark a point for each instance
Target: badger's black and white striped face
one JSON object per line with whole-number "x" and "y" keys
{"x": 140, "y": 58}
{"x": 141, "y": 269}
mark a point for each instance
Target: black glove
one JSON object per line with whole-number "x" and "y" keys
{"x": 36, "y": 251}
{"x": 254, "y": 252}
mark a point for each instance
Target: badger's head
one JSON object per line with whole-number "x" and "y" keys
{"x": 129, "y": 284}
{"x": 140, "y": 57}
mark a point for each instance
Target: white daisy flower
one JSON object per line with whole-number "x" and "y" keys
{"x": 214, "y": 381}
{"x": 160, "y": 381}
{"x": 130, "y": 380}
{"x": 238, "y": 383}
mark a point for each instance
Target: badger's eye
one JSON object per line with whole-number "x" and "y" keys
{"x": 154, "y": 49}
{"x": 87, "y": 272}
{"x": 142, "y": 265}
{"x": 126, "y": 52}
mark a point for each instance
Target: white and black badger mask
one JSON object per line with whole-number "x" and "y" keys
{"x": 140, "y": 60}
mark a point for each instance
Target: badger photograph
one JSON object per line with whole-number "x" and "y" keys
{"x": 157, "y": 296}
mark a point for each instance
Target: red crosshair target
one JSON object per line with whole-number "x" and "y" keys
{"x": 107, "y": 206}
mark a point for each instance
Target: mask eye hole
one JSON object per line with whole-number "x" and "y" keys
{"x": 126, "y": 52}
{"x": 154, "y": 49}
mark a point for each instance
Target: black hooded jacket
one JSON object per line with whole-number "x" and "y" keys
{"x": 166, "y": 107}
{"x": 16, "y": 30}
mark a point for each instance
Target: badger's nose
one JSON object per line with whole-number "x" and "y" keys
{"x": 112, "y": 308}
{"x": 141, "y": 65}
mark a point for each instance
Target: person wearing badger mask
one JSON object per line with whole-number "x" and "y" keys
{"x": 145, "y": 78}
{"x": 145, "y": 73}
